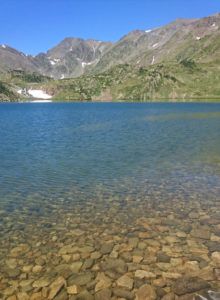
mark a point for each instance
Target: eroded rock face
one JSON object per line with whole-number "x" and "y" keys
{"x": 187, "y": 285}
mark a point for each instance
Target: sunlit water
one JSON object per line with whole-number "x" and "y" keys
{"x": 83, "y": 173}
{"x": 52, "y": 149}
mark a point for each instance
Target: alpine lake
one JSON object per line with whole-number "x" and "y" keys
{"x": 107, "y": 201}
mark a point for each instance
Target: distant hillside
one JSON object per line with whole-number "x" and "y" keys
{"x": 178, "y": 61}
{"x": 197, "y": 39}
{"x": 7, "y": 93}
{"x": 15, "y": 84}
{"x": 185, "y": 80}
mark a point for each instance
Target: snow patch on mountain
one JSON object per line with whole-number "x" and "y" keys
{"x": 54, "y": 61}
{"x": 84, "y": 64}
{"x": 153, "y": 60}
{"x": 155, "y": 45}
{"x": 214, "y": 26}
{"x": 39, "y": 94}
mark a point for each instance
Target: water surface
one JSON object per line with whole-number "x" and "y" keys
{"x": 86, "y": 188}
{"x": 120, "y": 148}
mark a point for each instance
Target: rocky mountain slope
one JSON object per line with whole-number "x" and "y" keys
{"x": 11, "y": 59}
{"x": 175, "y": 41}
{"x": 71, "y": 58}
{"x": 144, "y": 64}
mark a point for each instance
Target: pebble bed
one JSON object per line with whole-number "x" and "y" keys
{"x": 109, "y": 248}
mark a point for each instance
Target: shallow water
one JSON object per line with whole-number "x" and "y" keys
{"x": 106, "y": 170}
{"x": 51, "y": 148}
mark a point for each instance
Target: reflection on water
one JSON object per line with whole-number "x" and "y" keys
{"x": 184, "y": 116}
{"x": 94, "y": 192}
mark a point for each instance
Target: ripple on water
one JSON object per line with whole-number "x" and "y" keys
{"x": 116, "y": 197}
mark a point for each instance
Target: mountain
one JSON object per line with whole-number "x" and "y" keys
{"x": 71, "y": 58}
{"x": 179, "y": 39}
{"x": 11, "y": 59}
{"x": 172, "y": 61}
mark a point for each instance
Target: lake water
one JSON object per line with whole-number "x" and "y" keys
{"x": 94, "y": 173}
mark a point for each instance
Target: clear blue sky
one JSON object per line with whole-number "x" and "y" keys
{"x": 34, "y": 26}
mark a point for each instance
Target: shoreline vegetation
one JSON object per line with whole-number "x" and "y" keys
{"x": 162, "y": 82}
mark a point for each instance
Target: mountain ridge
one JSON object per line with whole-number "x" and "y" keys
{"x": 193, "y": 41}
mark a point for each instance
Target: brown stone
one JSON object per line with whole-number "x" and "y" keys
{"x": 103, "y": 282}
{"x": 23, "y": 296}
{"x": 160, "y": 282}
{"x": 169, "y": 296}
{"x": 73, "y": 289}
{"x": 36, "y": 296}
{"x": 146, "y": 292}
{"x": 42, "y": 282}
{"x": 125, "y": 282}
{"x": 144, "y": 274}
{"x": 201, "y": 233}
{"x": 216, "y": 258}
{"x": 187, "y": 285}
{"x": 85, "y": 295}
{"x": 37, "y": 269}
{"x": 56, "y": 286}
{"x": 12, "y": 298}
{"x": 103, "y": 295}
{"x": 144, "y": 235}
{"x": 217, "y": 274}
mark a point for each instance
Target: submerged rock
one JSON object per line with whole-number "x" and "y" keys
{"x": 123, "y": 293}
{"x": 103, "y": 295}
{"x": 103, "y": 282}
{"x": 146, "y": 292}
{"x": 79, "y": 279}
{"x": 187, "y": 285}
{"x": 201, "y": 233}
{"x": 125, "y": 282}
{"x": 56, "y": 286}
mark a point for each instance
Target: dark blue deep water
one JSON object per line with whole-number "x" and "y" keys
{"x": 55, "y": 150}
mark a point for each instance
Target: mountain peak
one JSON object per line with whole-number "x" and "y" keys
{"x": 74, "y": 56}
